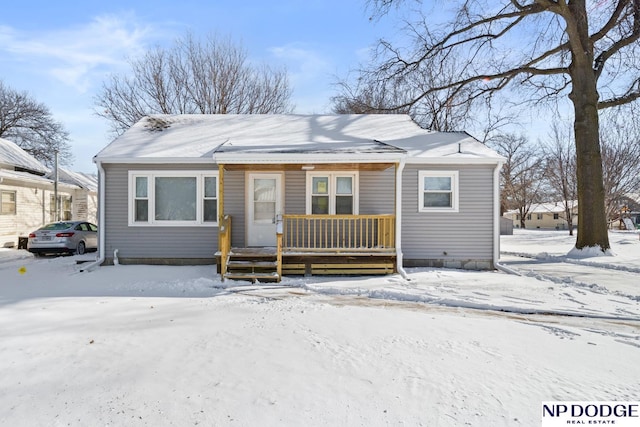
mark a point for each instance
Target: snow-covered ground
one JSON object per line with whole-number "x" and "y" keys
{"x": 175, "y": 346}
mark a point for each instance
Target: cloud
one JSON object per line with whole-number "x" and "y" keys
{"x": 74, "y": 56}
{"x": 303, "y": 64}
{"x": 311, "y": 74}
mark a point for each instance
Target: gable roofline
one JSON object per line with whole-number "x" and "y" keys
{"x": 289, "y": 138}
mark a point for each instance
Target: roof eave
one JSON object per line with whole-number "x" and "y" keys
{"x": 154, "y": 160}
{"x": 455, "y": 160}
{"x": 275, "y": 158}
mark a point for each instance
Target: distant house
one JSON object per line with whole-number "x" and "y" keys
{"x": 546, "y": 216}
{"x": 310, "y": 194}
{"x": 27, "y": 190}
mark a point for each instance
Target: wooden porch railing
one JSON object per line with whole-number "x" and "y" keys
{"x": 338, "y": 233}
{"x": 224, "y": 243}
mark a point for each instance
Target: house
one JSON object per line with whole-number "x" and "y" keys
{"x": 28, "y": 188}
{"x": 313, "y": 194}
{"x": 546, "y": 216}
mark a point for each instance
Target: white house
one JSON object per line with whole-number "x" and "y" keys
{"x": 546, "y": 216}
{"x": 27, "y": 194}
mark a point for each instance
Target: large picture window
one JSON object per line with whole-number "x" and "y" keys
{"x": 173, "y": 198}
{"x": 332, "y": 193}
{"x": 438, "y": 191}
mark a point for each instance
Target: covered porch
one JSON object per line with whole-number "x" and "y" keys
{"x": 303, "y": 243}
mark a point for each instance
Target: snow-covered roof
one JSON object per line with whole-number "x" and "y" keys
{"x": 26, "y": 177}
{"x": 552, "y": 207}
{"x": 446, "y": 147}
{"x": 12, "y": 156}
{"x": 273, "y": 138}
{"x": 83, "y": 180}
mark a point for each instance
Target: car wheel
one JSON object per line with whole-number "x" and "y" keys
{"x": 80, "y": 250}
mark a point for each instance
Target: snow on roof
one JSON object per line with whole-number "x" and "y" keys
{"x": 260, "y": 137}
{"x": 83, "y": 180}
{"x": 13, "y": 156}
{"x": 552, "y": 207}
{"x": 448, "y": 147}
{"x": 31, "y": 178}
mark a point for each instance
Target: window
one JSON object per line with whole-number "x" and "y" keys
{"x": 63, "y": 207}
{"x": 529, "y": 217}
{"x": 66, "y": 213}
{"x": 141, "y": 199}
{"x": 438, "y": 191}
{"x": 173, "y": 198}
{"x": 8, "y": 203}
{"x": 332, "y": 193}
{"x": 210, "y": 206}
{"x": 556, "y": 216}
{"x": 539, "y": 216}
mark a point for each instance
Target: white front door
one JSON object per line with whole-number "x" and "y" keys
{"x": 264, "y": 204}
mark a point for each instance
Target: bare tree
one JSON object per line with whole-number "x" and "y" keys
{"x": 521, "y": 176}
{"x": 30, "y": 125}
{"x": 368, "y": 98}
{"x": 438, "y": 111}
{"x": 620, "y": 136}
{"x": 582, "y": 50}
{"x": 560, "y": 169}
{"x": 212, "y": 76}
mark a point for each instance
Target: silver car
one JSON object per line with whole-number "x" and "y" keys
{"x": 64, "y": 237}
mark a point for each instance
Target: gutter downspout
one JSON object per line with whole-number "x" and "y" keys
{"x": 496, "y": 220}
{"x": 399, "y": 257}
{"x": 101, "y": 222}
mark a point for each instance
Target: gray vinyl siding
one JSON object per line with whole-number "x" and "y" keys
{"x": 436, "y": 239}
{"x": 461, "y": 239}
{"x": 234, "y": 195}
{"x": 377, "y": 192}
{"x": 148, "y": 243}
{"x": 295, "y": 192}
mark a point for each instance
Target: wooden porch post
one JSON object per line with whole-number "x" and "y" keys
{"x": 220, "y": 193}
{"x": 221, "y": 239}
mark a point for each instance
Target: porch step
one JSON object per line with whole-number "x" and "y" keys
{"x": 240, "y": 264}
{"x": 252, "y": 276}
{"x": 254, "y": 264}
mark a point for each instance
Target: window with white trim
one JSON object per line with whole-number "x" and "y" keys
{"x": 332, "y": 193}
{"x": 173, "y": 198}
{"x": 60, "y": 210}
{"x": 8, "y": 203}
{"x": 438, "y": 191}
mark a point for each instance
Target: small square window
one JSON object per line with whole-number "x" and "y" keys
{"x": 438, "y": 191}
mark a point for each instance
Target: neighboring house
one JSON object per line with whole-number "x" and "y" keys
{"x": 85, "y": 196}
{"x": 546, "y": 216}
{"x": 27, "y": 190}
{"x": 317, "y": 193}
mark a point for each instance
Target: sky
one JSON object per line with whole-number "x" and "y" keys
{"x": 62, "y": 52}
